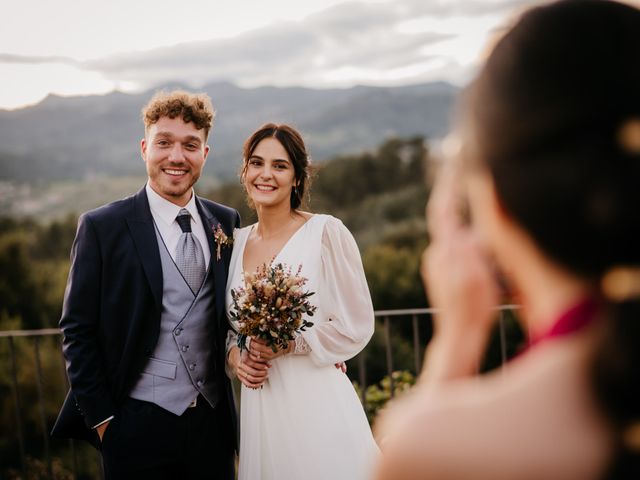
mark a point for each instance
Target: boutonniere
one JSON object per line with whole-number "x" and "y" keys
{"x": 222, "y": 240}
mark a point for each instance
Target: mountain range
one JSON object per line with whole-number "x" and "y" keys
{"x": 78, "y": 138}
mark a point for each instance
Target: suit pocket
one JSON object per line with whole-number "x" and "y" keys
{"x": 161, "y": 368}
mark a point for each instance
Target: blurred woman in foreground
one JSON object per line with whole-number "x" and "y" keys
{"x": 551, "y": 166}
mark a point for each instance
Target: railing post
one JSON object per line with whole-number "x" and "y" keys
{"x": 385, "y": 316}
{"x": 362, "y": 373}
{"x": 503, "y": 340}
{"x": 65, "y": 379}
{"x": 416, "y": 343}
{"x": 16, "y": 400}
{"x": 43, "y": 418}
{"x": 387, "y": 336}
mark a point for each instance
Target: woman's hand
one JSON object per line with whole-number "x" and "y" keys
{"x": 460, "y": 283}
{"x": 260, "y": 352}
{"x": 251, "y": 372}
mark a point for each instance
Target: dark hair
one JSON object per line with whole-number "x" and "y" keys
{"x": 553, "y": 115}
{"x": 292, "y": 142}
{"x": 191, "y": 107}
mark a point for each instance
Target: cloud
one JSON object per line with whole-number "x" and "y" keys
{"x": 351, "y": 35}
{"x": 444, "y": 8}
{"x": 34, "y": 59}
{"x": 348, "y": 43}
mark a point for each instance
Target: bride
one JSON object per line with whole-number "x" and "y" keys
{"x": 300, "y": 417}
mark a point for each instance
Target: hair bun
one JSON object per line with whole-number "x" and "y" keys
{"x": 631, "y": 437}
{"x": 628, "y": 136}
{"x": 620, "y": 284}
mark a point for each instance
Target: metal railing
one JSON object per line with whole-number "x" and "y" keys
{"x": 417, "y": 316}
{"x": 36, "y": 337}
{"x": 420, "y": 328}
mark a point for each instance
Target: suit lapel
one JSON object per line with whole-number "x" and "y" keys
{"x": 217, "y": 267}
{"x": 144, "y": 237}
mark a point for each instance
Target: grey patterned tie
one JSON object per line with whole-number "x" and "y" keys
{"x": 189, "y": 256}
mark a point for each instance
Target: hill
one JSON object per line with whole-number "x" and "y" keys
{"x": 94, "y": 136}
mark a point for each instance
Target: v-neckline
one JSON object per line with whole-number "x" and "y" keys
{"x": 282, "y": 249}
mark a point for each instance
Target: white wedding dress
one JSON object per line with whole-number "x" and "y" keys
{"x": 307, "y": 422}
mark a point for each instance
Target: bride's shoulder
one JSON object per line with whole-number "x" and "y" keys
{"x": 322, "y": 221}
{"x": 331, "y": 226}
{"x": 240, "y": 232}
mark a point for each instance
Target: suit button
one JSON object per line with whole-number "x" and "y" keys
{"x": 199, "y": 383}
{"x": 147, "y": 352}
{"x": 192, "y": 366}
{"x": 185, "y": 348}
{"x": 177, "y": 331}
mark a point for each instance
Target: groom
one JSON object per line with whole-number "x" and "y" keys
{"x": 143, "y": 315}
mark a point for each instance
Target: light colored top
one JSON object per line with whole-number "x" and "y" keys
{"x": 307, "y": 422}
{"x": 348, "y": 319}
{"x": 345, "y": 320}
{"x": 535, "y": 419}
{"x": 164, "y": 215}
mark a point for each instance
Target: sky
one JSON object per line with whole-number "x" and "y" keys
{"x": 82, "y": 47}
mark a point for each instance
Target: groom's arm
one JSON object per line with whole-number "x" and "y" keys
{"x": 80, "y": 327}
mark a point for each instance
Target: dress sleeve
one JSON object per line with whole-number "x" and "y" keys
{"x": 344, "y": 300}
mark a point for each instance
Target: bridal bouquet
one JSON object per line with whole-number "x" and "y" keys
{"x": 271, "y": 306}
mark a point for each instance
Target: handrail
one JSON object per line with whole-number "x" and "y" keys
{"x": 388, "y": 320}
{"x": 431, "y": 310}
{"x": 378, "y": 313}
{"x": 30, "y": 333}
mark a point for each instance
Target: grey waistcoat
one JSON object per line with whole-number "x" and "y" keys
{"x": 182, "y": 363}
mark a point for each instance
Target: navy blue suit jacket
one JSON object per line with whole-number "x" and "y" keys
{"x": 112, "y": 304}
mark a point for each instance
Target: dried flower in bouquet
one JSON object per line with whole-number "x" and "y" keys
{"x": 271, "y": 306}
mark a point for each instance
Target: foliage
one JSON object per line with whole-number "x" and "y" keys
{"x": 394, "y": 277}
{"x": 34, "y": 266}
{"x": 403, "y": 356}
{"x": 37, "y": 394}
{"x": 378, "y": 394}
{"x": 37, "y": 469}
{"x": 512, "y": 336}
{"x": 233, "y": 194}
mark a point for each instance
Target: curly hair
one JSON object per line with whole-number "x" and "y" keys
{"x": 192, "y": 107}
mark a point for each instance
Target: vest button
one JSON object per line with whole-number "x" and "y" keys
{"x": 177, "y": 331}
{"x": 185, "y": 348}
{"x": 199, "y": 383}
{"x": 192, "y": 366}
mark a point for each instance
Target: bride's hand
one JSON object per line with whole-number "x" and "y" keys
{"x": 260, "y": 352}
{"x": 250, "y": 372}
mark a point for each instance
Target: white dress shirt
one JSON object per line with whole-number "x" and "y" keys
{"x": 164, "y": 215}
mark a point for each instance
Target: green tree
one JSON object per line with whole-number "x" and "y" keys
{"x": 394, "y": 277}
{"x": 19, "y": 294}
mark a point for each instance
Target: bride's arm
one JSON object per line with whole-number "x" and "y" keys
{"x": 344, "y": 300}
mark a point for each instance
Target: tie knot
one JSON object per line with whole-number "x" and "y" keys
{"x": 184, "y": 220}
